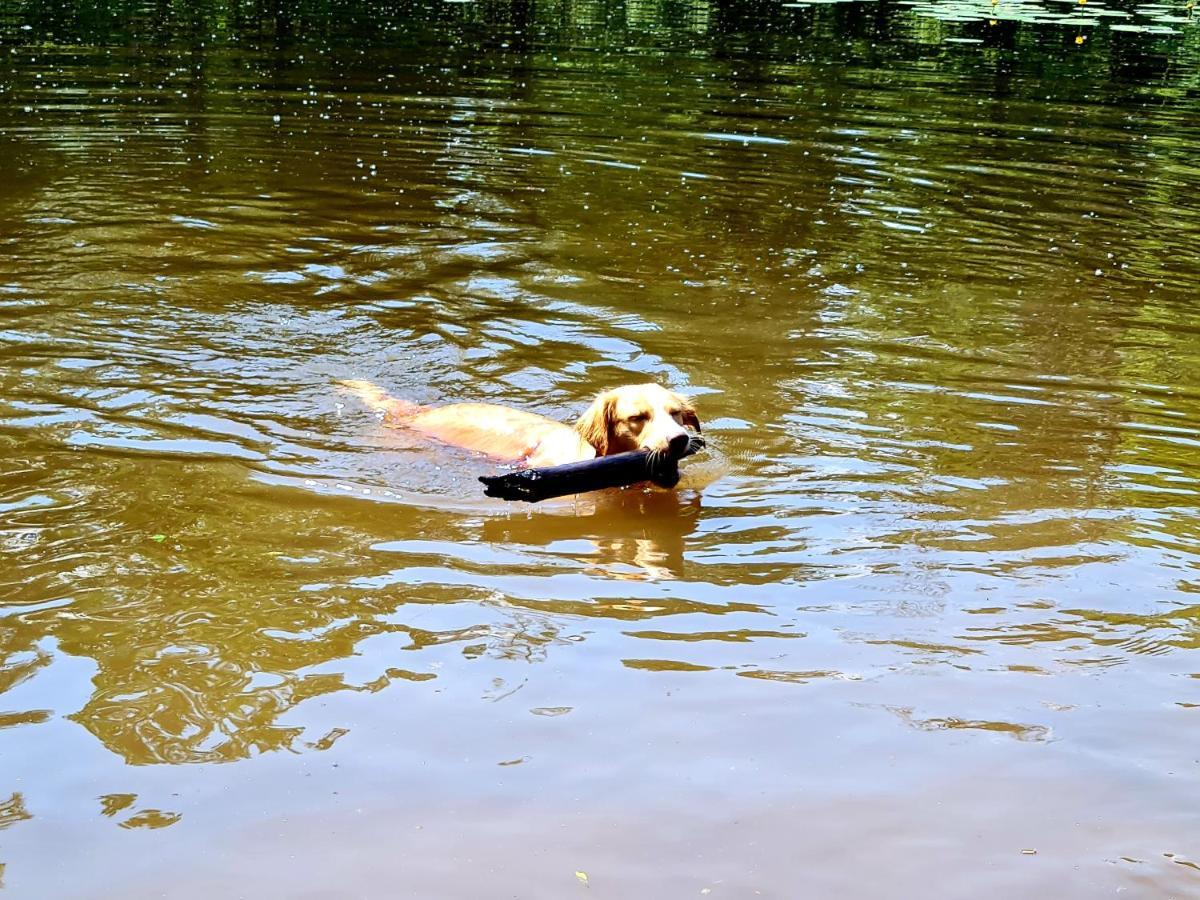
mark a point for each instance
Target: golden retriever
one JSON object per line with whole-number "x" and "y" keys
{"x": 632, "y": 417}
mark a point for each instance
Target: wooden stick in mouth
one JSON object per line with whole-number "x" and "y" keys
{"x": 617, "y": 470}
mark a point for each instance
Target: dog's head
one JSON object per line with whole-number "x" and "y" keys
{"x": 638, "y": 417}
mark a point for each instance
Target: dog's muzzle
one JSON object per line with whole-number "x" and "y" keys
{"x": 666, "y": 472}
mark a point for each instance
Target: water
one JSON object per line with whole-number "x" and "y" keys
{"x": 923, "y": 622}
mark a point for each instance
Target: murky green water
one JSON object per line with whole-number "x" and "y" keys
{"x": 925, "y": 623}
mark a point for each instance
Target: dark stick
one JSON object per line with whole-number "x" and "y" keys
{"x": 618, "y": 470}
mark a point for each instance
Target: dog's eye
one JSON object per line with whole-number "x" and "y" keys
{"x": 639, "y": 417}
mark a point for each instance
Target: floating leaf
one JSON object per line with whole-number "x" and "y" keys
{"x": 582, "y": 876}
{"x": 158, "y": 537}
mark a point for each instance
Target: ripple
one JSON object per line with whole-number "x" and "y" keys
{"x": 942, "y": 344}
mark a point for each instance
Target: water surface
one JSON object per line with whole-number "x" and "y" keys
{"x": 926, "y": 620}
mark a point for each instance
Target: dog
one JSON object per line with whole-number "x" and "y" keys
{"x": 631, "y": 417}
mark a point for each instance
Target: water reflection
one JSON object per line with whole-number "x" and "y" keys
{"x": 936, "y": 302}
{"x": 652, "y": 548}
{"x": 13, "y": 811}
{"x": 1014, "y": 444}
{"x": 1016, "y": 730}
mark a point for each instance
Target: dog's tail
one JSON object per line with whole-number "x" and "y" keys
{"x": 393, "y": 408}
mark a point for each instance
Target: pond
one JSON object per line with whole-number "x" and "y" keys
{"x": 924, "y": 620}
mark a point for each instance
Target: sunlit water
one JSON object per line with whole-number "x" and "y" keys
{"x": 923, "y": 622}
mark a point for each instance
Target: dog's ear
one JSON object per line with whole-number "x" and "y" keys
{"x": 689, "y": 415}
{"x": 596, "y": 424}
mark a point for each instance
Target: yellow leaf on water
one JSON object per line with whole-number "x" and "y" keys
{"x": 582, "y": 876}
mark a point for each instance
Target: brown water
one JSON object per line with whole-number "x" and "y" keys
{"x": 925, "y": 621}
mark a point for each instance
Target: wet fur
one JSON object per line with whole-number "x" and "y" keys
{"x": 631, "y": 417}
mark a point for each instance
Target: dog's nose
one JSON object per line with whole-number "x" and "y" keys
{"x": 678, "y": 445}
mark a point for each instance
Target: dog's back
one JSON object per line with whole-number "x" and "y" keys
{"x": 502, "y": 433}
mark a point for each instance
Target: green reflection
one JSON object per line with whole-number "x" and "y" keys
{"x": 938, "y": 298}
